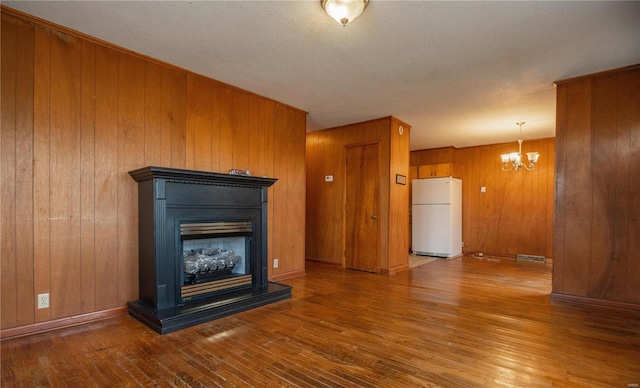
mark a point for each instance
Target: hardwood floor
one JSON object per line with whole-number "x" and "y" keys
{"x": 463, "y": 322}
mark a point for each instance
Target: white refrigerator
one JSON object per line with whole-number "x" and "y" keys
{"x": 436, "y": 217}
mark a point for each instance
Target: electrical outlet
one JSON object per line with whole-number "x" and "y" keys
{"x": 43, "y": 301}
{"x": 275, "y": 263}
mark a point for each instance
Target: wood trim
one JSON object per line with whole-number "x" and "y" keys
{"x": 324, "y": 263}
{"x": 287, "y": 275}
{"x": 593, "y": 302}
{"x": 400, "y": 268}
{"x": 92, "y": 39}
{"x": 61, "y": 323}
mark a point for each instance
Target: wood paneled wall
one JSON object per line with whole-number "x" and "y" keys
{"x": 77, "y": 115}
{"x": 399, "y": 197}
{"x": 597, "y": 228}
{"x": 325, "y": 200}
{"x": 515, "y": 214}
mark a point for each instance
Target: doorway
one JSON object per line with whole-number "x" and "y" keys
{"x": 362, "y": 234}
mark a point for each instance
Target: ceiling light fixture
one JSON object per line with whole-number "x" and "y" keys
{"x": 344, "y": 11}
{"x": 516, "y": 157}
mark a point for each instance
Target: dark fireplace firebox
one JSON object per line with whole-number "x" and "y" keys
{"x": 203, "y": 247}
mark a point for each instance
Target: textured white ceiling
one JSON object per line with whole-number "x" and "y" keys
{"x": 460, "y": 73}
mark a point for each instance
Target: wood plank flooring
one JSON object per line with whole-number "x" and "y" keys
{"x": 463, "y": 323}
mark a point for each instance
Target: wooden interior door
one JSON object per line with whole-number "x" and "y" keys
{"x": 362, "y": 235}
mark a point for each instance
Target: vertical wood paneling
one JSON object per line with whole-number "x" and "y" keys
{"x": 41, "y": 116}
{"x": 381, "y": 130}
{"x": 578, "y": 201}
{"x": 541, "y": 203}
{"x": 560, "y": 207}
{"x": 550, "y": 194}
{"x": 178, "y": 119}
{"x": 190, "y": 128}
{"x": 202, "y": 102}
{"x": 130, "y": 156}
{"x": 399, "y": 196}
{"x": 288, "y": 210}
{"x": 324, "y": 206}
{"x": 65, "y": 296}
{"x": 632, "y": 280}
{"x": 226, "y": 129}
{"x": 266, "y": 129}
{"x": 153, "y": 134}
{"x": 508, "y": 202}
{"x": 603, "y": 233}
{"x": 77, "y": 115}
{"x": 24, "y": 171}
{"x": 312, "y": 164}
{"x": 597, "y": 201}
{"x": 269, "y": 162}
{"x": 167, "y": 118}
{"x": 621, "y": 256}
{"x": 471, "y": 197}
{"x": 87, "y": 176}
{"x": 240, "y": 130}
{"x": 106, "y": 177}
{"x": 488, "y": 233}
{"x": 413, "y": 174}
{"x": 8, "y": 130}
{"x": 216, "y": 98}
{"x": 277, "y": 248}
{"x": 255, "y": 137}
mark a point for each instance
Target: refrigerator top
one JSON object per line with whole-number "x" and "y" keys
{"x": 434, "y": 191}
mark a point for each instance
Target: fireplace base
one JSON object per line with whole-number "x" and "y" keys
{"x": 180, "y": 317}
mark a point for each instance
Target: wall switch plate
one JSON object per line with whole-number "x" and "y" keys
{"x": 483, "y": 189}
{"x": 275, "y": 263}
{"x": 43, "y": 301}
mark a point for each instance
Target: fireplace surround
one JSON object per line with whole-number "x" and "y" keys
{"x": 202, "y": 247}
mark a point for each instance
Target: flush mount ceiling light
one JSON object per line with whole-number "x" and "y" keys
{"x": 344, "y": 11}
{"x": 516, "y": 157}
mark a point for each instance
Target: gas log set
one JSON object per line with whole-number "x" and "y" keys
{"x": 208, "y": 262}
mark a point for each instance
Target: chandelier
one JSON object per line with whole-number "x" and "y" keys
{"x": 344, "y": 11}
{"x": 513, "y": 161}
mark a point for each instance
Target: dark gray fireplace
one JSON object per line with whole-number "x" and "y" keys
{"x": 203, "y": 247}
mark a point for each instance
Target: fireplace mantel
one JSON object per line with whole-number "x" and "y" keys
{"x": 153, "y": 172}
{"x": 166, "y": 198}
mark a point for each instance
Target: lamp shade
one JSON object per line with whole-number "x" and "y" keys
{"x": 344, "y": 11}
{"x": 533, "y": 156}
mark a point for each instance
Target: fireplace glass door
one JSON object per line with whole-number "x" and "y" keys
{"x": 216, "y": 257}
